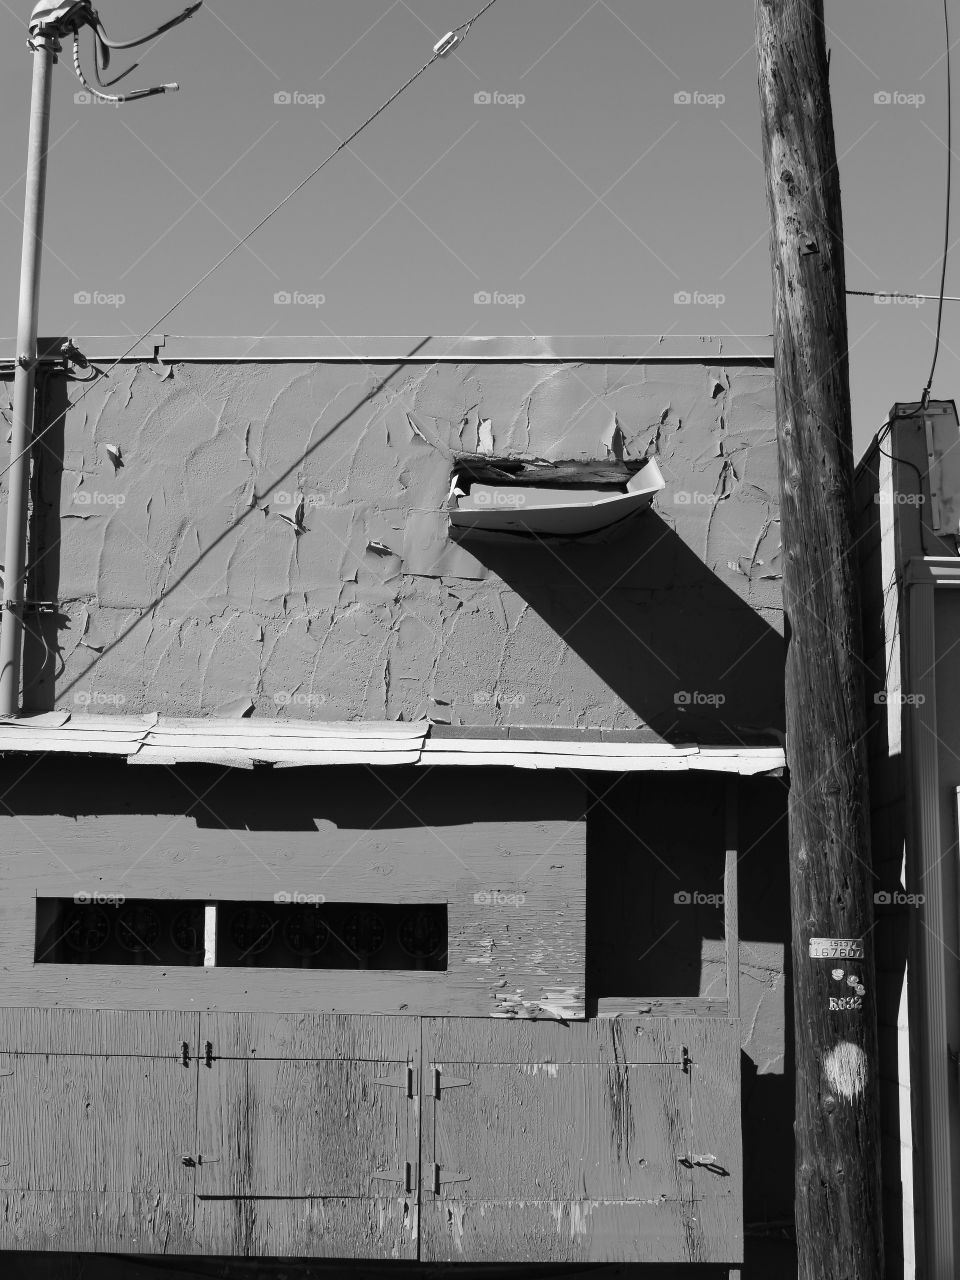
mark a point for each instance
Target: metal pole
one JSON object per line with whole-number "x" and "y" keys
{"x": 14, "y": 563}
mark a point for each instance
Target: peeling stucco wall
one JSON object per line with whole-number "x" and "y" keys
{"x": 188, "y": 585}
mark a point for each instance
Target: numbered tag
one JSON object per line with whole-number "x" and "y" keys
{"x": 836, "y": 948}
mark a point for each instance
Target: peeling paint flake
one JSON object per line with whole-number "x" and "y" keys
{"x": 485, "y": 436}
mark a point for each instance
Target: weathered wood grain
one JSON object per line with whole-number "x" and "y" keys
{"x": 839, "y": 1206}
{"x": 566, "y": 1128}
{"x": 111, "y": 1032}
{"x": 575, "y": 1231}
{"x": 716, "y": 1223}
{"x": 312, "y": 1037}
{"x": 573, "y": 1143}
{"x": 561, "y": 1126}
{"x": 384, "y": 1228}
{"x": 561, "y": 1131}
{"x": 97, "y": 1222}
{"x": 76, "y": 1123}
{"x": 294, "y": 1128}
{"x": 652, "y": 1041}
{"x": 279, "y": 1128}
{"x": 662, "y": 1006}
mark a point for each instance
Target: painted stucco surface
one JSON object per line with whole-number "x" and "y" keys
{"x": 188, "y": 583}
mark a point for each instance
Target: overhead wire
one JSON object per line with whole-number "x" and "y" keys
{"x": 460, "y": 31}
{"x": 892, "y": 294}
{"x": 925, "y": 397}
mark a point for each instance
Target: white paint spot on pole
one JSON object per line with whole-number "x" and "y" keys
{"x": 845, "y": 1070}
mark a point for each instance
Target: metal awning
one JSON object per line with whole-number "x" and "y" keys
{"x": 242, "y": 743}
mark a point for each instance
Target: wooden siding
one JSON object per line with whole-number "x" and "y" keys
{"x": 293, "y": 1132}
{"x": 611, "y": 1140}
{"x": 96, "y": 1114}
{"x": 581, "y": 1144}
{"x": 514, "y": 889}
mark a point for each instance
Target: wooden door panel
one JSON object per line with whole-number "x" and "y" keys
{"x": 283, "y": 1128}
{"x": 74, "y": 1123}
{"x": 716, "y": 1230}
{"x": 581, "y": 1143}
{"x": 297, "y": 1115}
{"x": 560, "y": 1132}
{"x": 96, "y": 1115}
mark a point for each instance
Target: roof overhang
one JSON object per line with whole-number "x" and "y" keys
{"x": 152, "y": 739}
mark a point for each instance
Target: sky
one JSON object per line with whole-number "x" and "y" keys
{"x": 610, "y": 163}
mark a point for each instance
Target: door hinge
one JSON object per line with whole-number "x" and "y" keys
{"x": 404, "y": 1080}
{"x": 208, "y": 1054}
{"x": 442, "y": 1081}
{"x": 184, "y": 1054}
{"x": 405, "y": 1175}
{"x": 441, "y": 1178}
{"x": 686, "y": 1062}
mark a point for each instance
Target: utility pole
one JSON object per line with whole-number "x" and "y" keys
{"x": 838, "y": 1204}
{"x": 50, "y": 22}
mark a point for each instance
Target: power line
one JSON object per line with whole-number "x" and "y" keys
{"x": 925, "y": 397}
{"x": 442, "y": 47}
{"x": 892, "y": 295}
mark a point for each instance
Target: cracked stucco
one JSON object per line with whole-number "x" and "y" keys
{"x": 275, "y": 539}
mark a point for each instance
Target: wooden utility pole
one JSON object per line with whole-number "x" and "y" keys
{"x": 838, "y": 1205}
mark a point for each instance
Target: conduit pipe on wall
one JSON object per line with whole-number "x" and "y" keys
{"x": 15, "y": 554}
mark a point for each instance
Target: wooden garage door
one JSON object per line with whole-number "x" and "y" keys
{"x": 96, "y": 1114}
{"x": 308, "y": 1136}
{"x": 611, "y": 1141}
{"x": 301, "y": 1135}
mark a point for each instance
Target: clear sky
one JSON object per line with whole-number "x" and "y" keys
{"x": 584, "y": 193}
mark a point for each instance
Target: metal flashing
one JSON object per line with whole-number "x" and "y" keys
{"x": 424, "y": 349}
{"x": 152, "y": 739}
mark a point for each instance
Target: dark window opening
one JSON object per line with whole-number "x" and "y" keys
{"x": 332, "y": 935}
{"x": 101, "y": 929}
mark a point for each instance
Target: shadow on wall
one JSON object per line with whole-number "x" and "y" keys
{"x": 42, "y": 620}
{"x": 689, "y": 656}
{"x": 352, "y": 798}
{"x": 655, "y": 871}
